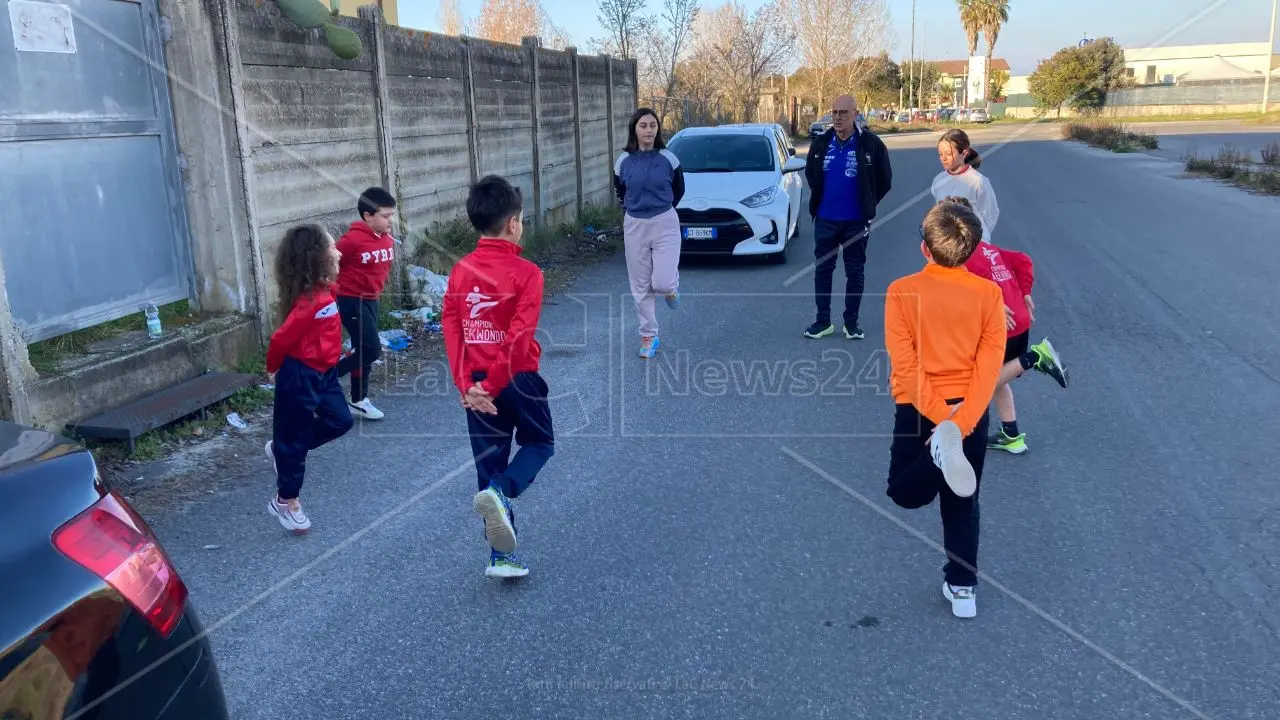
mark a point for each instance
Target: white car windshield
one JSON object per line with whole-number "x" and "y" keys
{"x": 723, "y": 153}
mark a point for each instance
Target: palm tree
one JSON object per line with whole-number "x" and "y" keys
{"x": 994, "y": 14}
{"x": 972, "y": 20}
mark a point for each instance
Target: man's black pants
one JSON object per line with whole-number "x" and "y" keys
{"x": 914, "y": 481}
{"x": 830, "y": 238}
{"x": 360, "y": 318}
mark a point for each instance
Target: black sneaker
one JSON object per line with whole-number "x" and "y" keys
{"x": 819, "y": 330}
{"x": 854, "y": 334}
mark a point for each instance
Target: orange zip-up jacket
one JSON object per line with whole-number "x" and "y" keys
{"x": 945, "y": 333}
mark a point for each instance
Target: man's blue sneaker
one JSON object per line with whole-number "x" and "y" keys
{"x": 505, "y": 565}
{"x": 495, "y": 508}
{"x": 673, "y": 300}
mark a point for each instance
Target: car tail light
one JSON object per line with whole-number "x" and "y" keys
{"x": 112, "y": 542}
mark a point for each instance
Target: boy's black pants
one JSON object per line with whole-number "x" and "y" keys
{"x": 309, "y": 412}
{"x": 830, "y": 239}
{"x": 360, "y": 318}
{"x": 914, "y": 481}
{"x": 523, "y": 414}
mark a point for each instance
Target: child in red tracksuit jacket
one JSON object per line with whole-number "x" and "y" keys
{"x": 1015, "y": 274}
{"x": 302, "y": 360}
{"x": 490, "y": 314}
{"x": 367, "y": 253}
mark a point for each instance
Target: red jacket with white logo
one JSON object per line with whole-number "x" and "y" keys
{"x": 311, "y": 334}
{"x": 490, "y": 314}
{"x": 366, "y": 262}
{"x": 1013, "y": 272}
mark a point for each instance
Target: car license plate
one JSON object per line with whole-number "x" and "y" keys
{"x": 699, "y": 233}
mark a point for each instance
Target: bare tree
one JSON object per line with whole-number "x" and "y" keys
{"x": 668, "y": 41}
{"x": 745, "y": 49}
{"x": 508, "y": 21}
{"x": 451, "y": 17}
{"x": 627, "y": 24}
{"x": 838, "y": 41}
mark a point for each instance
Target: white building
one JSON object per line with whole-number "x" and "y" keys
{"x": 1165, "y": 65}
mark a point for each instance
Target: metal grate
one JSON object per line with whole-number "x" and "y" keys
{"x": 131, "y": 420}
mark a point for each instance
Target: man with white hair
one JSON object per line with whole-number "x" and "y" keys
{"x": 849, "y": 174}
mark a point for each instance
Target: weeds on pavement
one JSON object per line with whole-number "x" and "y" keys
{"x": 1109, "y": 136}
{"x": 1239, "y": 168}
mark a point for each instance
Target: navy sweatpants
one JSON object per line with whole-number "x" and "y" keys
{"x": 523, "y": 415}
{"x": 360, "y": 318}
{"x": 310, "y": 410}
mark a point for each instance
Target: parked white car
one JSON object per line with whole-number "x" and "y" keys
{"x": 743, "y": 189}
{"x": 979, "y": 115}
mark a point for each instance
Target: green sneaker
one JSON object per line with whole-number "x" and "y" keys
{"x": 505, "y": 565}
{"x": 1015, "y": 445}
{"x": 1049, "y": 362}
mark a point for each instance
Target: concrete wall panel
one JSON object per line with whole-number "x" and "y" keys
{"x": 424, "y": 54}
{"x": 268, "y": 38}
{"x": 303, "y": 105}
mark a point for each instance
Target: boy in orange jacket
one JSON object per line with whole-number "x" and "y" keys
{"x": 945, "y": 335}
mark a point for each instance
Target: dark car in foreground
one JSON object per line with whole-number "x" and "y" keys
{"x": 95, "y": 622}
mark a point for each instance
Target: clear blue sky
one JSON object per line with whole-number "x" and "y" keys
{"x": 1036, "y": 29}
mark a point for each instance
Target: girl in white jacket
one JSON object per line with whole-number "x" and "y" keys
{"x": 960, "y": 177}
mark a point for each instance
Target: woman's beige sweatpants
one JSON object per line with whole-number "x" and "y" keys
{"x": 653, "y": 260}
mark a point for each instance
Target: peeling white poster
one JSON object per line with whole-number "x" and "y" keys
{"x": 41, "y": 27}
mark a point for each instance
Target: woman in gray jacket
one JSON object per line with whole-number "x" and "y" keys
{"x": 650, "y": 183}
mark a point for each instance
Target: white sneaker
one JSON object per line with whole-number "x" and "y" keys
{"x": 964, "y": 603}
{"x": 947, "y": 448}
{"x": 366, "y": 410}
{"x": 271, "y": 453}
{"x": 289, "y": 514}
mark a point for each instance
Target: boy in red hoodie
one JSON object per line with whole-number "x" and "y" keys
{"x": 1015, "y": 274}
{"x": 367, "y": 253}
{"x": 490, "y": 314}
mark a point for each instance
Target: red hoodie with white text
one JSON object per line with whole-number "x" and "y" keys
{"x": 311, "y": 333}
{"x": 366, "y": 262}
{"x": 1013, "y": 272}
{"x": 490, "y": 314}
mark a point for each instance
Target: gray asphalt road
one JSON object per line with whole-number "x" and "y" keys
{"x": 713, "y": 541}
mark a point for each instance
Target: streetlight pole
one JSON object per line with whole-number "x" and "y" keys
{"x": 911, "y": 84}
{"x": 1271, "y": 44}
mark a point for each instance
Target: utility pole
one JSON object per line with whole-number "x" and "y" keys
{"x": 911, "y": 83}
{"x": 1271, "y": 44}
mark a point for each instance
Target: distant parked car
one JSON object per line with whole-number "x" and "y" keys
{"x": 95, "y": 613}
{"x": 979, "y": 115}
{"x": 821, "y": 126}
{"x": 743, "y": 188}
{"x": 904, "y": 117}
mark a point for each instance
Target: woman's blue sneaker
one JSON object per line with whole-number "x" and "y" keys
{"x": 649, "y": 347}
{"x": 673, "y": 300}
{"x": 505, "y": 565}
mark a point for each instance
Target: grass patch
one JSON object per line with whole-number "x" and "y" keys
{"x": 1109, "y": 136}
{"x": 1239, "y": 169}
{"x": 47, "y": 355}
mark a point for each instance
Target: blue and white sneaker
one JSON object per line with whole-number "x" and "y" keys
{"x": 649, "y": 347}
{"x": 495, "y": 508}
{"x": 505, "y": 565}
{"x": 673, "y": 300}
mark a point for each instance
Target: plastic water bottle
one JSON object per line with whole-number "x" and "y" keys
{"x": 153, "y": 321}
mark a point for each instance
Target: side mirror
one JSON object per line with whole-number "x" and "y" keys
{"x": 795, "y": 164}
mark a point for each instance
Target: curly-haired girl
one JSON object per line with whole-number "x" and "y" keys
{"x": 302, "y": 359}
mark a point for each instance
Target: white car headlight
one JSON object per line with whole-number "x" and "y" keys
{"x": 764, "y": 197}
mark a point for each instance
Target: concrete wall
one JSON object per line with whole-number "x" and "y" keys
{"x": 420, "y": 113}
